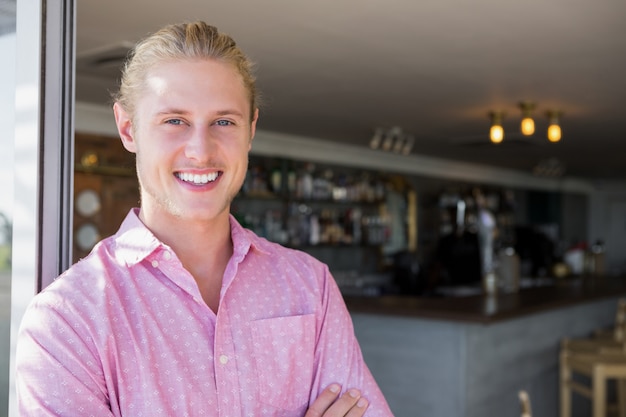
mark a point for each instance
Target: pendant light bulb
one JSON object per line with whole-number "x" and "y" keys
{"x": 554, "y": 129}
{"x": 554, "y": 133}
{"x": 527, "y": 126}
{"x": 496, "y": 132}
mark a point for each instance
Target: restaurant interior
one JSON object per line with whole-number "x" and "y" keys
{"x": 459, "y": 167}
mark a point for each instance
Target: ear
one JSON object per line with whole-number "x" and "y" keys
{"x": 125, "y": 128}
{"x": 255, "y": 118}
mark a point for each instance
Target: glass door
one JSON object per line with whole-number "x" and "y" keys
{"x": 7, "y": 126}
{"x": 36, "y": 187}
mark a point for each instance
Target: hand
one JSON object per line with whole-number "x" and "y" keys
{"x": 350, "y": 404}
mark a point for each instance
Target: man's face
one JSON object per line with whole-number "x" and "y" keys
{"x": 192, "y": 134}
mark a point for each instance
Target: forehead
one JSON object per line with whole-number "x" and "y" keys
{"x": 199, "y": 81}
{"x": 182, "y": 71}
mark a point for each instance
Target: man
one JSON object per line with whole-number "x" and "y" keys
{"x": 183, "y": 312}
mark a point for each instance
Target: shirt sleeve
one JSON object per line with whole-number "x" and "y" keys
{"x": 57, "y": 370}
{"x": 338, "y": 356}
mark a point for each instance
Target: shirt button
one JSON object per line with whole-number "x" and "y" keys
{"x": 155, "y": 263}
{"x": 223, "y": 359}
{"x": 167, "y": 256}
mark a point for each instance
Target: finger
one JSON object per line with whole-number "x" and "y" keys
{"x": 324, "y": 401}
{"x": 358, "y": 410}
{"x": 346, "y": 405}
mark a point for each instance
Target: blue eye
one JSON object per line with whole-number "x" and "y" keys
{"x": 223, "y": 123}
{"x": 176, "y": 122}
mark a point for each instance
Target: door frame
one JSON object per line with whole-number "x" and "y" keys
{"x": 44, "y": 131}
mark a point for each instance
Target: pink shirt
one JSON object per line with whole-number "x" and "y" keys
{"x": 125, "y": 332}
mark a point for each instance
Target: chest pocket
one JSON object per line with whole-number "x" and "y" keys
{"x": 284, "y": 355}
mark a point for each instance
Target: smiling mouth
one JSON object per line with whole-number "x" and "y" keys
{"x": 197, "y": 179}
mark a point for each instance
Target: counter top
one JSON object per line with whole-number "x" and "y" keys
{"x": 489, "y": 309}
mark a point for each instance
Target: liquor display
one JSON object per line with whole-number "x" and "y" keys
{"x": 337, "y": 214}
{"x": 313, "y": 205}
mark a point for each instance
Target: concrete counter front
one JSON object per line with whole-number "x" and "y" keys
{"x": 469, "y": 356}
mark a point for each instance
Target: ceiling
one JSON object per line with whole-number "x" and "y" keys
{"x": 337, "y": 69}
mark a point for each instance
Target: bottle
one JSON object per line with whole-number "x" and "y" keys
{"x": 276, "y": 180}
{"x": 314, "y": 237}
{"x": 292, "y": 182}
{"x": 306, "y": 185}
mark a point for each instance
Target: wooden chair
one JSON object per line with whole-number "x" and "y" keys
{"x": 608, "y": 339}
{"x": 524, "y": 400}
{"x": 601, "y": 358}
{"x": 600, "y": 367}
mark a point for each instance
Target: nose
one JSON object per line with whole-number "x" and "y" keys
{"x": 200, "y": 145}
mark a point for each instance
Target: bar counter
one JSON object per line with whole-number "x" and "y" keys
{"x": 485, "y": 309}
{"x": 469, "y": 356}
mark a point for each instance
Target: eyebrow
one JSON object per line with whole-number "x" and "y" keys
{"x": 219, "y": 113}
{"x": 171, "y": 111}
{"x": 227, "y": 112}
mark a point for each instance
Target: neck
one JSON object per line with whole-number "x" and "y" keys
{"x": 203, "y": 247}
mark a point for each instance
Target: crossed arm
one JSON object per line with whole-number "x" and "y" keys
{"x": 330, "y": 404}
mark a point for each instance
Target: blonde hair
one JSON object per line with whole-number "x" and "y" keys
{"x": 196, "y": 40}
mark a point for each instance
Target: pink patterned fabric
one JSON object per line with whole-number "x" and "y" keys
{"x": 125, "y": 332}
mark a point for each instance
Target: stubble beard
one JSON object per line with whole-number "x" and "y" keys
{"x": 165, "y": 203}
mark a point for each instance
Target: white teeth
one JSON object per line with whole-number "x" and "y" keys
{"x": 196, "y": 178}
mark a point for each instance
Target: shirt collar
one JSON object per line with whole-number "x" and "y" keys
{"x": 134, "y": 241}
{"x": 243, "y": 240}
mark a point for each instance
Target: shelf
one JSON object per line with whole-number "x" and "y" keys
{"x": 106, "y": 170}
{"x": 269, "y": 196}
{"x": 335, "y": 246}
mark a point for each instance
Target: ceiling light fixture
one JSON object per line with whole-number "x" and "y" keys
{"x": 393, "y": 135}
{"x": 551, "y": 167}
{"x": 392, "y": 139}
{"x": 496, "y": 132}
{"x": 409, "y": 141}
{"x": 554, "y": 129}
{"x": 376, "y": 140}
{"x": 527, "y": 126}
{"x": 399, "y": 144}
